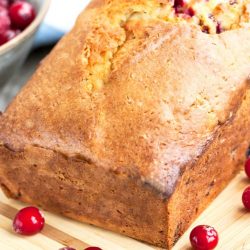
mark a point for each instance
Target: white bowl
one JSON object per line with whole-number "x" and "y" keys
{"x": 13, "y": 53}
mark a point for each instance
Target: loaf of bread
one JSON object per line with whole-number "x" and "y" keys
{"x": 137, "y": 119}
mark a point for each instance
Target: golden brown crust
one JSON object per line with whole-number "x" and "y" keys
{"x": 210, "y": 173}
{"x": 120, "y": 127}
{"x": 133, "y": 96}
{"x": 81, "y": 190}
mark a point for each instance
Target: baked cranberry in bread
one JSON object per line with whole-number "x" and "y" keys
{"x": 137, "y": 119}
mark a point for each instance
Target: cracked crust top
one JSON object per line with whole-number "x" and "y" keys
{"x": 132, "y": 92}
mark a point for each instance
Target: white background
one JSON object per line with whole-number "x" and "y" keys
{"x": 62, "y": 13}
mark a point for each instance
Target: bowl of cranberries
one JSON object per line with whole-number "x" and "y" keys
{"x": 19, "y": 22}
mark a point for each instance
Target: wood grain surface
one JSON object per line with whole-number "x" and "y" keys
{"x": 226, "y": 214}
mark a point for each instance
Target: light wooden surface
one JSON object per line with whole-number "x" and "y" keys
{"x": 225, "y": 214}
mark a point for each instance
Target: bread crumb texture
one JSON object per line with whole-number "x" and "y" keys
{"x": 118, "y": 23}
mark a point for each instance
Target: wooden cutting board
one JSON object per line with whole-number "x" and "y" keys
{"x": 226, "y": 214}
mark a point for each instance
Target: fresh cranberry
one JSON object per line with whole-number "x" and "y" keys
{"x": 204, "y": 238}
{"x": 93, "y": 248}
{"x": 22, "y": 14}
{"x": 247, "y": 167}
{"x": 7, "y": 35}
{"x": 4, "y": 19}
{"x": 28, "y": 221}
{"x": 246, "y": 198}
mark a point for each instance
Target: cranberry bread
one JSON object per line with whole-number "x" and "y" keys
{"x": 137, "y": 119}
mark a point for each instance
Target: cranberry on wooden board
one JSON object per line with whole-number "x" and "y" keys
{"x": 204, "y": 237}
{"x": 28, "y": 221}
{"x": 246, "y": 198}
{"x": 22, "y": 14}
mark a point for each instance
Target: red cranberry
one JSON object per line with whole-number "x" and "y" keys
{"x": 4, "y": 19}
{"x": 4, "y": 3}
{"x": 22, "y": 14}
{"x": 204, "y": 238}
{"x": 219, "y": 28}
{"x": 181, "y": 8}
{"x": 28, "y": 221}
{"x": 247, "y": 167}
{"x": 179, "y": 3}
{"x": 190, "y": 11}
{"x": 7, "y": 35}
{"x": 93, "y": 248}
{"x": 246, "y": 198}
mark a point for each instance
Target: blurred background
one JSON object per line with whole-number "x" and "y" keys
{"x": 58, "y": 20}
